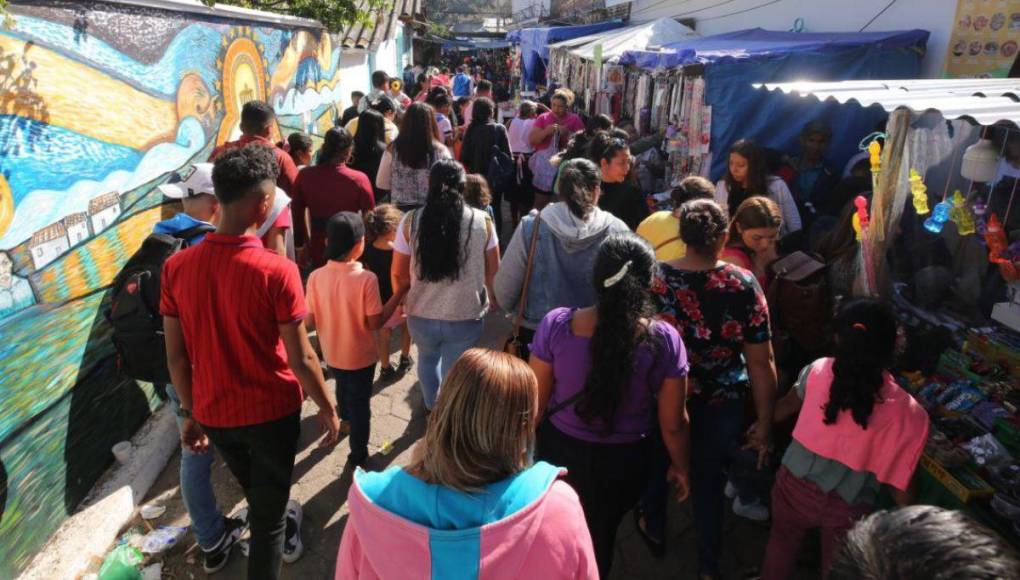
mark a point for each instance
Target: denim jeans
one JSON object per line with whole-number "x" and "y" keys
{"x": 353, "y": 395}
{"x": 197, "y": 489}
{"x": 261, "y": 457}
{"x": 440, "y": 344}
{"x": 715, "y": 427}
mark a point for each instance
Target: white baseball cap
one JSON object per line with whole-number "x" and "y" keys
{"x": 190, "y": 181}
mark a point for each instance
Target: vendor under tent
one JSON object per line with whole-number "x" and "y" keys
{"x": 938, "y": 237}
{"x": 534, "y": 46}
{"x": 716, "y": 72}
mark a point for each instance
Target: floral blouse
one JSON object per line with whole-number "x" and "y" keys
{"x": 716, "y": 311}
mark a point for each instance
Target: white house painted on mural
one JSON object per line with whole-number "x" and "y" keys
{"x": 77, "y": 226}
{"x": 103, "y": 211}
{"x": 48, "y": 244}
{"x": 716, "y": 17}
{"x": 15, "y": 291}
{"x": 383, "y": 43}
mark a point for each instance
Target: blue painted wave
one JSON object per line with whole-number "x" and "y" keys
{"x": 42, "y": 207}
{"x": 30, "y": 150}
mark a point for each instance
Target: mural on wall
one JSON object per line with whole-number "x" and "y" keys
{"x": 99, "y": 104}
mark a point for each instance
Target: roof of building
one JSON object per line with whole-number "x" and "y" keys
{"x": 75, "y": 218}
{"x": 101, "y": 202}
{"x": 48, "y": 234}
{"x": 979, "y": 101}
{"x": 381, "y": 23}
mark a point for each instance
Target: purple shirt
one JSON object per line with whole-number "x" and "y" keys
{"x": 661, "y": 357}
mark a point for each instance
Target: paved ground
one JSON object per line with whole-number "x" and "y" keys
{"x": 321, "y": 485}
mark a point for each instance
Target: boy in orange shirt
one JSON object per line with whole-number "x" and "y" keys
{"x": 344, "y": 303}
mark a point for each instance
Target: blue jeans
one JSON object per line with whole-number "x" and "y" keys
{"x": 196, "y": 488}
{"x": 440, "y": 344}
{"x": 354, "y": 395}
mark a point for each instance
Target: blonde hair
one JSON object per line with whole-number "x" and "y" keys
{"x": 382, "y": 220}
{"x": 566, "y": 94}
{"x": 483, "y": 427}
{"x": 476, "y": 191}
{"x": 753, "y": 213}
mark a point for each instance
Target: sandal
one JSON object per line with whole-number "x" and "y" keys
{"x": 655, "y": 546}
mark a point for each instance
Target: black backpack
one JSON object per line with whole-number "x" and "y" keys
{"x": 502, "y": 171}
{"x": 134, "y": 307}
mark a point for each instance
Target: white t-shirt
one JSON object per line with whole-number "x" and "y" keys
{"x": 518, "y": 133}
{"x": 401, "y": 245}
{"x": 779, "y": 193}
{"x": 445, "y": 126}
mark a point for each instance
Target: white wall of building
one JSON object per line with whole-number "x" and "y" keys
{"x": 355, "y": 75}
{"x": 717, "y": 16}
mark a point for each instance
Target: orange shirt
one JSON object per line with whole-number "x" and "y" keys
{"x": 340, "y": 296}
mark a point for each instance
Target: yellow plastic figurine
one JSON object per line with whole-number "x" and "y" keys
{"x": 874, "y": 152}
{"x": 961, "y": 215}
{"x": 919, "y": 189}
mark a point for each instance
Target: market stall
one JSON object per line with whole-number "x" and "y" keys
{"x": 697, "y": 90}
{"x": 532, "y": 47}
{"x": 938, "y": 236}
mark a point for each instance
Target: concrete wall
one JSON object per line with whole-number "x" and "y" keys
{"x": 99, "y": 98}
{"x": 714, "y": 17}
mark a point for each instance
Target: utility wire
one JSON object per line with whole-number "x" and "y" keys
{"x": 875, "y": 17}
{"x": 771, "y": 2}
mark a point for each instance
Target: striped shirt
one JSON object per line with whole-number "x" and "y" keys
{"x": 230, "y": 295}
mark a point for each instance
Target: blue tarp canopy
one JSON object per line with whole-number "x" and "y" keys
{"x": 535, "y": 45}
{"x": 736, "y": 60}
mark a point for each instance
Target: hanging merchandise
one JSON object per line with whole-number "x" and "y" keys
{"x": 995, "y": 238}
{"x": 980, "y": 208}
{"x": 961, "y": 215}
{"x": 920, "y": 193}
{"x": 860, "y": 225}
{"x": 938, "y": 218}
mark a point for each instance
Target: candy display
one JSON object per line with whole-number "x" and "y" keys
{"x": 919, "y": 190}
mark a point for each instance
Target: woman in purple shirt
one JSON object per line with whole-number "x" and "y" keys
{"x": 600, "y": 370}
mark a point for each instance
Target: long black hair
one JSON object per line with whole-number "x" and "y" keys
{"x": 865, "y": 349}
{"x": 438, "y": 250}
{"x": 757, "y": 174}
{"x": 576, "y": 184}
{"x": 622, "y": 275}
{"x": 336, "y": 147}
{"x": 418, "y": 135}
{"x": 370, "y": 140}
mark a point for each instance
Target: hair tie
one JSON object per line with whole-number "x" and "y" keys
{"x": 612, "y": 280}
{"x": 860, "y": 326}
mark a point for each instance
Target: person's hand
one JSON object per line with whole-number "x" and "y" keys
{"x": 330, "y": 424}
{"x": 681, "y": 479}
{"x": 759, "y": 438}
{"x": 193, "y": 437}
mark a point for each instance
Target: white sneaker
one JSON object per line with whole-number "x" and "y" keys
{"x": 292, "y": 546}
{"x": 730, "y": 490}
{"x": 756, "y": 511}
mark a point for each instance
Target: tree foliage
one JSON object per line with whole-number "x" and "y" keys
{"x": 335, "y": 15}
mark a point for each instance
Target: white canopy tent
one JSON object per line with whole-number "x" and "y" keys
{"x": 649, "y": 35}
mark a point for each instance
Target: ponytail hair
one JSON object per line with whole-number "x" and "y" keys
{"x": 438, "y": 249}
{"x": 865, "y": 347}
{"x": 383, "y": 219}
{"x": 622, "y": 274}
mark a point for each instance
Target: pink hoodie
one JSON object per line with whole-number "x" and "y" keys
{"x": 532, "y": 527}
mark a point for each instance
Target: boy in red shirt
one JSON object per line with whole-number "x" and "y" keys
{"x": 239, "y": 356}
{"x": 344, "y": 304}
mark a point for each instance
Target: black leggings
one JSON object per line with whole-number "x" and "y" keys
{"x": 609, "y": 479}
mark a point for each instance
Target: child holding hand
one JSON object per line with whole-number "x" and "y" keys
{"x": 345, "y": 305}
{"x": 380, "y": 231}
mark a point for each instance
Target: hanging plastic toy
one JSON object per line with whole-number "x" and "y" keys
{"x": 938, "y": 218}
{"x": 919, "y": 190}
{"x": 860, "y": 218}
{"x": 961, "y": 215}
{"x": 979, "y": 209}
{"x": 996, "y": 239}
{"x": 874, "y": 155}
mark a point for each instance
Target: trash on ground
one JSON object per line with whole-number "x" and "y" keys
{"x": 162, "y": 539}
{"x": 151, "y": 511}
{"x": 386, "y": 448}
{"x": 121, "y": 564}
{"x": 153, "y": 571}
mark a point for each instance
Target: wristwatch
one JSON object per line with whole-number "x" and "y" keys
{"x": 184, "y": 413}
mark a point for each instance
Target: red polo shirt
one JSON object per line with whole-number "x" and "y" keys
{"x": 326, "y": 190}
{"x": 230, "y": 294}
{"x": 288, "y": 170}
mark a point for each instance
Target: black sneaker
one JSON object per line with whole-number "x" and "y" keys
{"x": 387, "y": 373}
{"x": 405, "y": 364}
{"x": 292, "y": 546}
{"x": 215, "y": 559}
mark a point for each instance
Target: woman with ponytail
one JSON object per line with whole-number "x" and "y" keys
{"x": 857, "y": 431}
{"x": 326, "y": 189}
{"x": 600, "y": 370}
{"x": 445, "y": 255}
{"x": 721, "y": 313}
